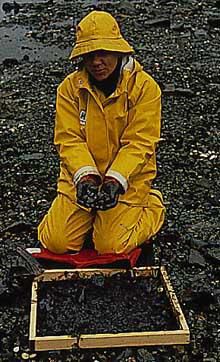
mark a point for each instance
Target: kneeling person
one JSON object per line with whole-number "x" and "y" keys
{"x": 106, "y": 132}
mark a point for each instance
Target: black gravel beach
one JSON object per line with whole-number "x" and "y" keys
{"x": 178, "y": 43}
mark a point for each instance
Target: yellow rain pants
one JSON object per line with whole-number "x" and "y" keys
{"x": 117, "y": 230}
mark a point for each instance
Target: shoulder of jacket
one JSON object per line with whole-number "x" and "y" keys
{"x": 75, "y": 78}
{"x": 145, "y": 80}
{"x": 141, "y": 82}
{"x": 141, "y": 73}
{"x": 133, "y": 68}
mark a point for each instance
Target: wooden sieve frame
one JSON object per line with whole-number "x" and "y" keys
{"x": 180, "y": 336}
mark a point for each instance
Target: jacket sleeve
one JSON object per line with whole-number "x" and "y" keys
{"x": 68, "y": 137}
{"x": 140, "y": 137}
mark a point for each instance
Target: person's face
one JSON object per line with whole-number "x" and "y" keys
{"x": 101, "y": 63}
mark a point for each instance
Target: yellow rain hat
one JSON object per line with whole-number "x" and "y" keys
{"x": 99, "y": 31}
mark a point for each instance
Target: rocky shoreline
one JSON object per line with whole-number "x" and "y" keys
{"x": 178, "y": 44}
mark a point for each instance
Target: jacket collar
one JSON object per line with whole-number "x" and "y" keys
{"x": 128, "y": 67}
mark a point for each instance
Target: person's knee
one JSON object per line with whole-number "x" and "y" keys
{"x": 52, "y": 238}
{"x": 116, "y": 246}
{"x": 106, "y": 242}
{"x": 111, "y": 238}
{"x": 56, "y": 243}
{"x": 59, "y": 237}
{"x": 64, "y": 227}
{"x": 102, "y": 243}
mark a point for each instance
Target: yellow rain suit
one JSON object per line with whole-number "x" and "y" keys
{"x": 114, "y": 136}
{"x": 106, "y": 136}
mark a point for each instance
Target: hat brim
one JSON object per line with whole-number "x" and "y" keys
{"x": 119, "y": 45}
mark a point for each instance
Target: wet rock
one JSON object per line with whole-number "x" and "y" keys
{"x": 7, "y": 7}
{"x": 32, "y": 156}
{"x": 170, "y": 89}
{"x": 201, "y": 33}
{"x": 124, "y": 355}
{"x": 214, "y": 255}
{"x": 17, "y": 7}
{"x": 195, "y": 258}
{"x": 89, "y": 4}
{"x": 214, "y": 21}
{"x": 165, "y": 22}
{"x": 163, "y": 2}
{"x": 56, "y": 72}
{"x": 201, "y": 300}
{"x": 184, "y": 92}
{"x": 26, "y": 58}
{"x": 198, "y": 244}
{"x": 16, "y": 227}
{"x": 10, "y": 62}
{"x": 143, "y": 355}
{"x": 177, "y": 26}
{"x": 17, "y": 275}
{"x": 127, "y": 6}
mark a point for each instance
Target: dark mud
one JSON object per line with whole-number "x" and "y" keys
{"x": 114, "y": 304}
{"x": 178, "y": 43}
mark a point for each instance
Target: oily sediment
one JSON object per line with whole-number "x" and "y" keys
{"x": 115, "y": 304}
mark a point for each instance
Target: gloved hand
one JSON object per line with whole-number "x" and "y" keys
{"x": 87, "y": 191}
{"x": 109, "y": 193}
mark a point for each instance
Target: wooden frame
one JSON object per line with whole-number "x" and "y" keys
{"x": 180, "y": 336}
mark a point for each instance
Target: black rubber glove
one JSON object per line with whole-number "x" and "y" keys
{"x": 109, "y": 193}
{"x": 87, "y": 191}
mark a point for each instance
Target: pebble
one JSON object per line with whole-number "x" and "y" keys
{"x": 16, "y": 349}
{"x": 25, "y": 356}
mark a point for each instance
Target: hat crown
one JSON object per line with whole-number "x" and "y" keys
{"x": 97, "y": 25}
{"x": 99, "y": 30}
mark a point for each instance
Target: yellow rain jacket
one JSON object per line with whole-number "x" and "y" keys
{"x": 109, "y": 136}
